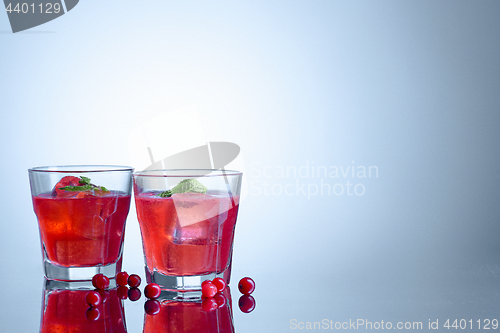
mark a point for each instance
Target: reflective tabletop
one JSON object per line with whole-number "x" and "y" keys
{"x": 458, "y": 298}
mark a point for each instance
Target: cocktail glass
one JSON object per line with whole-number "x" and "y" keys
{"x": 81, "y": 213}
{"x": 187, "y": 220}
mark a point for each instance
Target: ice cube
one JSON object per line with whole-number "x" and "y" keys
{"x": 193, "y": 208}
{"x": 86, "y": 222}
{"x": 198, "y": 231}
{"x": 108, "y": 206}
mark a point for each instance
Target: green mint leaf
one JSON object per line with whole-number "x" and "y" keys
{"x": 84, "y": 180}
{"x": 77, "y": 188}
{"x": 86, "y": 186}
{"x": 185, "y": 186}
{"x": 165, "y": 194}
{"x": 189, "y": 185}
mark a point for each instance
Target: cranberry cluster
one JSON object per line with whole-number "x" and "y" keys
{"x": 211, "y": 292}
{"x": 213, "y": 298}
{"x": 100, "y": 295}
{"x": 151, "y": 291}
{"x": 133, "y": 281}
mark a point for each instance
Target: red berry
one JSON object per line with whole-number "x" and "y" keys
{"x": 246, "y": 286}
{"x": 122, "y": 292}
{"x": 66, "y": 181}
{"x": 205, "y": 282}
{"x": 134, "y": 294}
{"x": 93, "y": 314}
{"x": 134, "y": 280}
{"x": 100, "y": 281}
{"x": 220, "y": 299}
{"x": 104, "y": 294}
{"x": 209, "y": 304}
{"x": 246, "y": 303}
{"x": 93, "y": 298}
{"x": 152, "y": 291}
{"x": 122, "y": 278}
{"x": 209, "y": 290}
{"x": 220, "y": 284}
{"x": 152, "y": 307}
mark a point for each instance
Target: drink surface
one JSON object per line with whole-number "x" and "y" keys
{"x": 82, "y": 229}
{"x": 65, "y": 312}
{"x": 187, "y": 233}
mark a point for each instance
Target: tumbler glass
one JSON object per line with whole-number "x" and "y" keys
{"x": 187, "y": 220}
{"x": 81, "y": 213}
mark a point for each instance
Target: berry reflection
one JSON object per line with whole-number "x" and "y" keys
{"x": 246, "y": 303}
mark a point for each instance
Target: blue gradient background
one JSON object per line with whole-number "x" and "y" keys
{"x": 411, "y": 87}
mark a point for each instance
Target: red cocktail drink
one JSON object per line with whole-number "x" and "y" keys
{"x": 82, "y": 231}
{"x": 188, "y": 233}
{"x": 188, "y": 229}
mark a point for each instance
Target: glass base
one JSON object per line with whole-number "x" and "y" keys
{"x": 184, "y": 284}
{"x": 61, "y": 273}
{"x": 72, "y": 285}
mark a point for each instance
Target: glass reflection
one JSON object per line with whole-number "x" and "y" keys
{"x": 64, "y": 309}
{"x": 191, "y": 315}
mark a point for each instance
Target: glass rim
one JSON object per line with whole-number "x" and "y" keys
{"x": 89, "y": 168}
{"x": 185, "y": 173}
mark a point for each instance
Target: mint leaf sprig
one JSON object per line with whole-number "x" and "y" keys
{"x": 85, "y": 185}
{"x": 185, "y": 186}
{"x": 165, "y": 194}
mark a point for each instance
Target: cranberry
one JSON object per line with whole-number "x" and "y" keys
{"x": 205, "y": 282}
{"x": 122, "y": 292}
{"x": 246, "y": 303}
{"x": 152, "y": 291}
{"x": 65, "y": 181}
{"x": 93, "y": 314}
{"x": 122, "y": 278}
{"x": 93, "y": 298}
{"x": 134, "y": 294}
{"x": 209, "y": 290}
{"x": 209, "y": 304}
{"x": 104, "y": 294}
{"x": 152, "y": 307}
{"x": 220, "y": 284}
{"x": 100, "y": 281}
{"x": 220, "y": 299}
{"x": 246, "y": 286}
{"x": 134, "y": 280}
